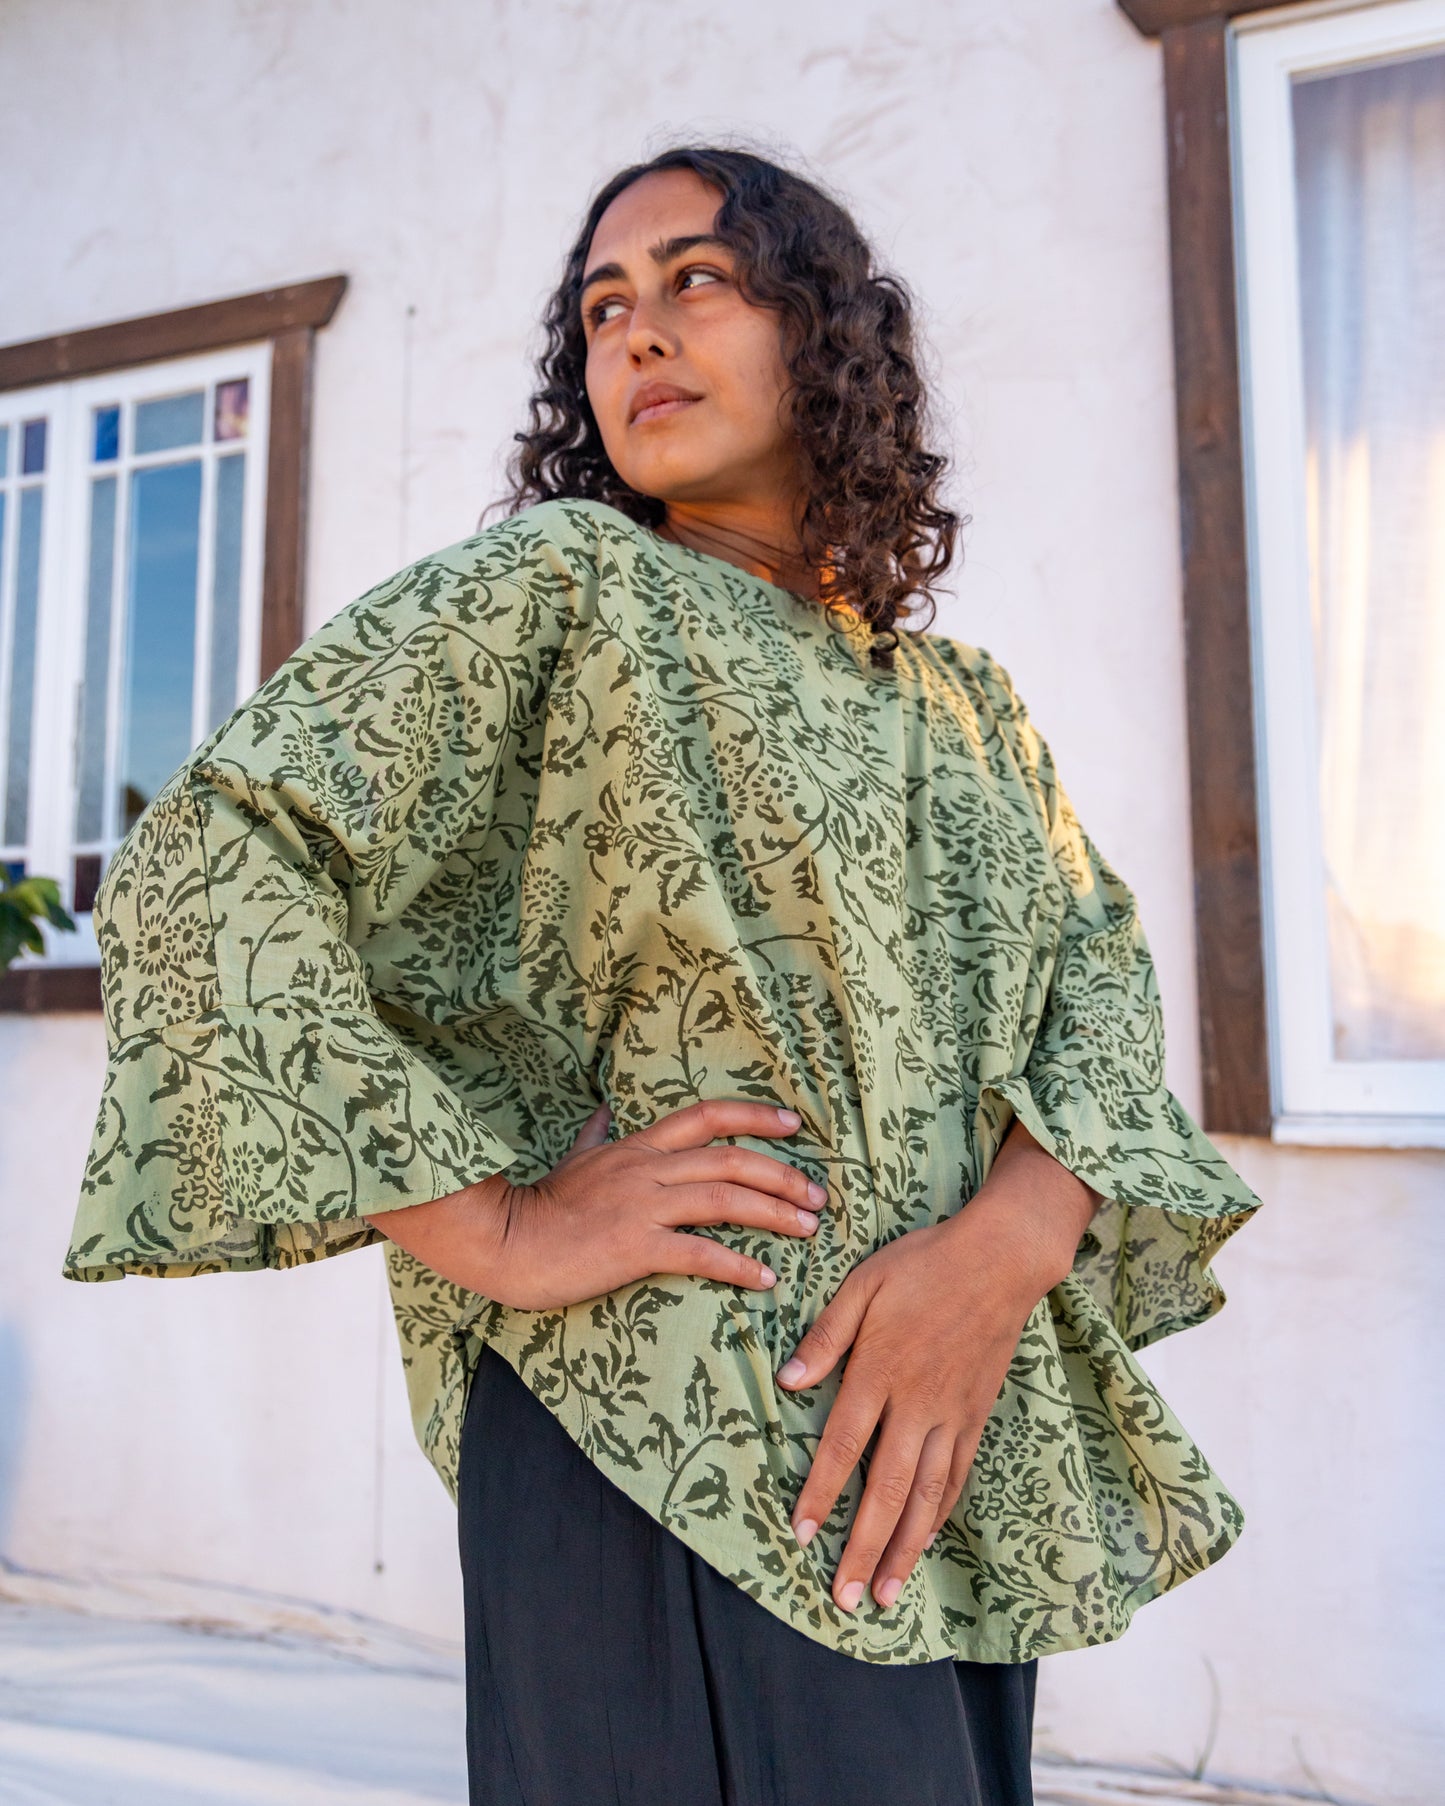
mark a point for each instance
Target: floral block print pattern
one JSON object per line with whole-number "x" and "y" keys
{"x": 564, "y": 814}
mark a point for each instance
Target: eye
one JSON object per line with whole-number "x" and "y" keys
{"x": 597, "y": 314}
{"x": 700, "y": 269}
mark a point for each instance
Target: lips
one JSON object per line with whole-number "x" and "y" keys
{"x": 655, "y": 401}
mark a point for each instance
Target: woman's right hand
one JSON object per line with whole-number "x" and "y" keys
{"x": 611, "y": 1212}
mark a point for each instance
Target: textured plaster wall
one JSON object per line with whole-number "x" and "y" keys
{"x": 1009, "y": 162}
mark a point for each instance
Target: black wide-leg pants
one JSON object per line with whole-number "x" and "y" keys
{"x": 608, "y": 1665}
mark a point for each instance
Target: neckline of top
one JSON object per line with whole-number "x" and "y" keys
{"x": 852, "y": 621}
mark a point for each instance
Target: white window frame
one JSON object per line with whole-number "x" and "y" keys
{"x": 1318, "y": 1100}
{"x": 65, "y": 530}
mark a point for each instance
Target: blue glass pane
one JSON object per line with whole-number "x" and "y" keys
{"x": 226, "y": 591}
{"x": 174, "y": 420}
{"x": 90, "y": 779}
{"x": 14, "y": 870}
{"x": 22, "y": 671}
{"x": 160, "y": 631}
{"x": 32, "y": 448}
{"x": 107, "y": 434}
{"x": 4, "y": 451}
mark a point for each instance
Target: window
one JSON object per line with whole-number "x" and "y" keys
{"x": 148, "y": 581}
{"x": 1339, "y": 172}
{"x": 137, "y": 542}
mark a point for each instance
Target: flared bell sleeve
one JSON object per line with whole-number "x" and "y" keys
{"x": 1091, "y": 1088}
{"x": 257, "y": 1101}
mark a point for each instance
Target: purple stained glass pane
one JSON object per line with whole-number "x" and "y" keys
{"x": 32, "y": 448}
{"x": 87, "y": 875}
{"x": 107, "y": 434}
{"x": 233, "y": 408}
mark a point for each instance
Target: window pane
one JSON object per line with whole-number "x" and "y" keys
{"x": 32, "y": 448}
{"x": 226, "y": 591}
{"x": 233, "y": 407}
{"x": 160, "y": 630}
{"x": 90, "y": 778}
{"x": 107, "y": 434}
{"x": 4, "y": 451}
{"x": 171, "y": 421}
{"x": 85, "y": 882}
{"x": 21, "y": 699}
{"x": 1370, "y": 170}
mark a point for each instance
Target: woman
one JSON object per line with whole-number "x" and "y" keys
{"x": 776, "y": 1470}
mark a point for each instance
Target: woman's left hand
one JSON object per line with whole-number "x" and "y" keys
{"x": 932, "y": 1320}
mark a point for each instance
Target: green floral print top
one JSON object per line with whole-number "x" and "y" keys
{"x": 566, "y": 813}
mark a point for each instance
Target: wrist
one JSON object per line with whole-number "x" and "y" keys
{"x": 1034, "y": 1210}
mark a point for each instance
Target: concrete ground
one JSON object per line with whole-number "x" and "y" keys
{"x": 243, "y": 1703}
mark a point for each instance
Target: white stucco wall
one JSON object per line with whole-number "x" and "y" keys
{"x": 1010, "y": 161}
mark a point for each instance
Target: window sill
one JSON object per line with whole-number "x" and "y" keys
{"x": 1360, "y": 1131}
{"x": 37, "y": 990}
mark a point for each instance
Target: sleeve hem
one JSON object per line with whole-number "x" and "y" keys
{"x": 247, "y": 1138}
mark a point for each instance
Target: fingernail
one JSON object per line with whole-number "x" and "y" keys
{"x": 790, "y": 1374}
{"x": 890, "y": 1590}
{"x": 931, "y": 1541}
{"x": 816, "y": 1192}
{"x": 767, "y": 1276}
{"x": 807, "y": 1219}
{"x": 805, "y": 1530}
{"x": 851, "y": 1594}
{"x": 789, "y": 1118}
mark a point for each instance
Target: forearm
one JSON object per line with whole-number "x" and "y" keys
{"x": 1035, "y": 1208}
{"x": 459, "y": 1236}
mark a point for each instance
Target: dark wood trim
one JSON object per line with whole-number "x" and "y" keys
{"x": 1229, "y": 941}
{"x": 32, "y": 989}
{"x": 240, "y": 320}
{"x": 283, "y": 574}
{"x": 1154, "y": 17}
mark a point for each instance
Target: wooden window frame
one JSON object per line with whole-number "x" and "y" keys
{"x": 289, "y": 318}
{"x": 1224, "y": 808}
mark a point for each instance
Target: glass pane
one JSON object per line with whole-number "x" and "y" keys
{"x": 32, "y": 448}
{"x": 226, "y": 591}
{"x": 22, "y": 671}
{"x": 107, "y": 434}
{"x": 86, "y": 882}
{"x": 14, "y": 870}
{"x": 233, "y": 408}
{"x": 160, "y": 630}
{"x": 4, "y": 451}
{"x": 171, "y": 421}
{"x": 1370, "y": 171}
{"x": 90, "y": 778}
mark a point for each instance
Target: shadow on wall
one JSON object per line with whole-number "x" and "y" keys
{"x": 13, "y": 1403}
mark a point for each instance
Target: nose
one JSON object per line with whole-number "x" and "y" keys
{"x": 647, "y": 334}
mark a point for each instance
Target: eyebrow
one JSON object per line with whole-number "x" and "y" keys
{"x": 662, "y": 252}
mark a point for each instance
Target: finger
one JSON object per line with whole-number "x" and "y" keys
{"x": 964, "y": 1450}
{"x": 831, "y": 1335}
{"x": 697, "y": 1124}
{"x": 593, "y": 1132}
{"x": 720, "y": 1202}
{"x": 704, "y": 1258}
{"x": 743, "y": 1166}
{"x": 891, "y": 1475}
{"x": 929, "y": 1489}
{"x": 852, "y": 1420}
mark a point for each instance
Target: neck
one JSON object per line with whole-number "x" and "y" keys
{"x": 758, "y": 539}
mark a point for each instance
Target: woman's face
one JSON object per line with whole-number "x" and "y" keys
{"x": 686, "y": 378}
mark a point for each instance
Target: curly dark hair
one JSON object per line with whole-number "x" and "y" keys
{"x": 872, "y": 518}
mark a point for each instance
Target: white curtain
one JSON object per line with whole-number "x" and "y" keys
{"x": 1370, "y": 174}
